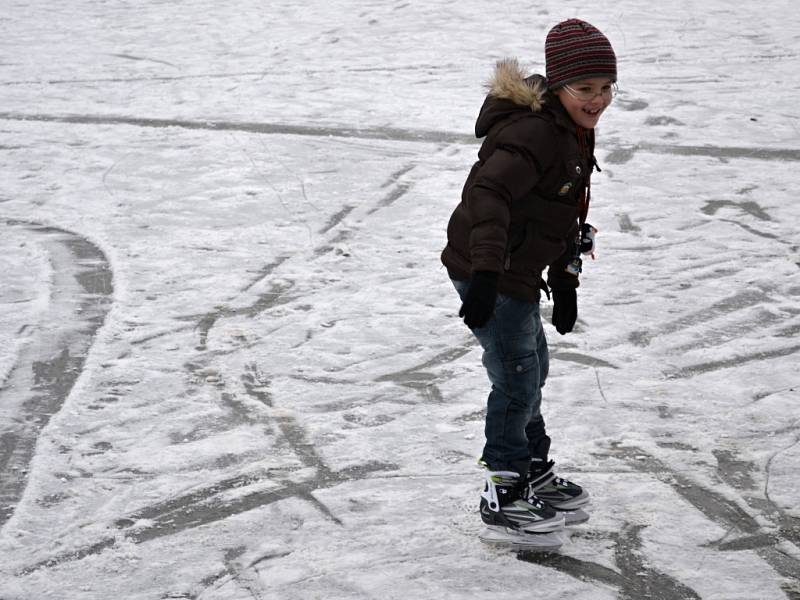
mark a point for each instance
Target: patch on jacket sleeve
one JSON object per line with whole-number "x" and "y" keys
{"x": 565, "y": 189}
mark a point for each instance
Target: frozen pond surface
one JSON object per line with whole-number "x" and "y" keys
{"x": 230, "y": 365}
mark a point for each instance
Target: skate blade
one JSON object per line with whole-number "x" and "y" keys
{"x": 575, "y": 517}
{"x": 514, "y": 540}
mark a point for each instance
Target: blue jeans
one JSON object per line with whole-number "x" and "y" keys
{"x": 516, "y": 359}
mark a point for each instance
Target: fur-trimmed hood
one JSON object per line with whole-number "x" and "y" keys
{"x": 510, "y": 83}
{"x": 509, "y": 92}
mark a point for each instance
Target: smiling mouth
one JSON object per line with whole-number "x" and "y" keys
{"x": 592, "y": 113}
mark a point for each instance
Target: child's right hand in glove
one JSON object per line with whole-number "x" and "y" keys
{"x": 479, "y": 300}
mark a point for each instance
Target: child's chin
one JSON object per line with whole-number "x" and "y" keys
{"x": 588, "y": 122}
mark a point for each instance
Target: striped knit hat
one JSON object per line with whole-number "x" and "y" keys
{"x": 574, "y": 49}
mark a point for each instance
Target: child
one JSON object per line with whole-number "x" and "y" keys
{"x": 523, "y": 209}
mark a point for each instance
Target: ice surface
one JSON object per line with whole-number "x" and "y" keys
{"x": 231, "y": 364}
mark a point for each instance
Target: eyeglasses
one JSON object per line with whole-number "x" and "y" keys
{"x": 587, "y": 94}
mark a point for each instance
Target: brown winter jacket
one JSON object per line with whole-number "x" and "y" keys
{"x": 519, "y": 207}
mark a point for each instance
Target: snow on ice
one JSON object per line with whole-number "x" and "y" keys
{"x": 231, "y": 364}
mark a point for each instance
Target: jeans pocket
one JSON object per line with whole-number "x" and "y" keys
{"x": 522, "y": 378}
{"x": 522, "y": 364}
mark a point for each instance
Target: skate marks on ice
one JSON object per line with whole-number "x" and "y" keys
{"x": 748, "y": 206}
{"x": 148, "y": 78}
{"x": 619, "y": 154}
{"x": 739, "y": 307}
{"x": 714, "y": 321}
{"x": 277, "y": 294}
{"x": 248, "y": 400}
{"x": 334, "y": 233}
{"x": 192, "y": 511}
{"x": 238, "y": 571}
{"x": 624, "y": 153}
{"x": 208, "y": 504}
{"x": 375, "y": 133}
{"x": 54, "y": 353}
{"x": 744, "y": 531}
{"x": 423, "y": 378}
{"x": 635, "y": 579}
{"x": 736, "y": 361}
{"x": 774, "y": 316}
{"x": 732, "y": 304}
{"x": 585, "y": 360}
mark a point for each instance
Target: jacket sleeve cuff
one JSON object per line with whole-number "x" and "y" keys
{"x": 559, "y": 279}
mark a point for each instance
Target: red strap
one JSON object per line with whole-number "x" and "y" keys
{"x": 586, "y": 193}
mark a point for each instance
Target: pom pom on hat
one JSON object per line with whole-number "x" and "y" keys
{"x": 574, "y": 50}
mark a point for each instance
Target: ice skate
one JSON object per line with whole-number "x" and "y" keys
{"x": 566, "y": 497}
{"x": 517, "y": 521}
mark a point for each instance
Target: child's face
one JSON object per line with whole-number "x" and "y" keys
{"x": 586, "y": 99}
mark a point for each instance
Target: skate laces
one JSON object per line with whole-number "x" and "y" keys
{"x": 535, "y": 501}
{"x": 547, "y": 476}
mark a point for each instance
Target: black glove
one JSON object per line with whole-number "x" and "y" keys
{"x": 565, "y": 310}
{"x": 479, "y": 300}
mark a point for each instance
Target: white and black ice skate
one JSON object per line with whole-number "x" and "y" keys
{"x": 566, "y": 497}
{"x": 517, "y": 521}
